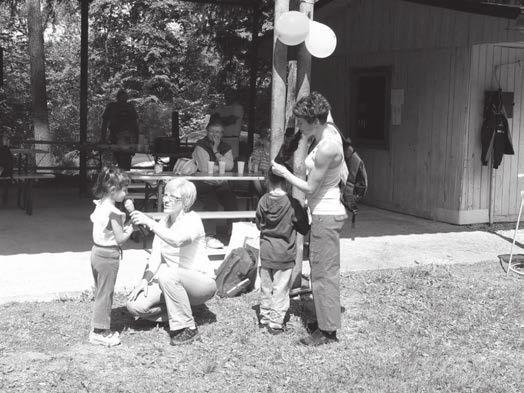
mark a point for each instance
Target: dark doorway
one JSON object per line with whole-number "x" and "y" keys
{"x": 370, "y": 108}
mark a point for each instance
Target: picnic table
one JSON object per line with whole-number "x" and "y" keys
{"x": 129, "y": 147}
{"x": 22, "y": 155}
{"x": 25, "y": 188}
{"x": 161, "y": 179}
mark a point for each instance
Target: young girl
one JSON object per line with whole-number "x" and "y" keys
{"x": 109, "y": 232}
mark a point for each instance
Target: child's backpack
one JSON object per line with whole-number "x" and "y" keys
{"x": 238, "y": 272}
{"x": 6, "y": 162}
{"x": 357, "y": 182}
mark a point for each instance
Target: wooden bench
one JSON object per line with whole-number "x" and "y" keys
{"x": 25, "y": 188}
{"x": 214, "y": 215}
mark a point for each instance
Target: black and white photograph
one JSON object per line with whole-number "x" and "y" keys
{"x": 268, "y": 196}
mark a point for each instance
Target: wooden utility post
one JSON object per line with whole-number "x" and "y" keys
{"x": 303, "y": 89}
{"x": 84, "y": 29}
{"x": 278, "y": 85}
{"x": 38, "y": 86}
{"x": 291, "y": 90}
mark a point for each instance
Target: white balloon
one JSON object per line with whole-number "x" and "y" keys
{"x": 321, "y": 40}
{"x": 292, "y": 27}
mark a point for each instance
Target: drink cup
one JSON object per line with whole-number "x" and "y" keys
{"x": 159, "y": 167}
{"x": 210, "y": 166}
{"x": 221, "y": 167}
{"x": 255, "y": 167}
{"x": 240, "y": 165}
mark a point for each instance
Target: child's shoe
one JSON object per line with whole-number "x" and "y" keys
{"x": 263, "y": 322}
{"x": 275, "y": 330}
{"x": 106, "y": 338}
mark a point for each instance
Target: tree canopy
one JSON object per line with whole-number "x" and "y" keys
{"x": 169, "y": 55}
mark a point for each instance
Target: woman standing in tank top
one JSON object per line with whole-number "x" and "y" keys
{"x": 325, "y": 168}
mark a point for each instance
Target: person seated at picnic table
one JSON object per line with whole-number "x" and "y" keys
{"x": 179, "y": 274}
{"x": 212, "y": 148}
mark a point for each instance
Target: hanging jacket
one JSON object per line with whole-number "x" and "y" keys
{"x": 495, "y": 137}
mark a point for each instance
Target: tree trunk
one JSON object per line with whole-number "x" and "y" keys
{"x": 84, "y": 35}
{"x": 253, "y": 71}
{"x": 278, "y": 85}
{"x": 38, "y": 86}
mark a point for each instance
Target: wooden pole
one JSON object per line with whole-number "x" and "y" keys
{"x": 278, "y": 84}
{"x": 253, "y": 71}
{"x": 492, "y": 178}
{"x": 304, "y": 58}
{"x": 291, "y": 92}
{"x": 303, "y": 87}
{"x": 84, "y": 30}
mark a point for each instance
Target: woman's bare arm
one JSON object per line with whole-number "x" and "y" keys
{"x": 325, "y": 155}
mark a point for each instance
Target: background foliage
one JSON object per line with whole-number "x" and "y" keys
{"x": 170, "y": 55}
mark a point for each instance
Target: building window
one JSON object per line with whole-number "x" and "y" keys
{"x": 370, "y": 97}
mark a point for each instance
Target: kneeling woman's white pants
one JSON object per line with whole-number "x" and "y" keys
{"x": 171, "y": 297}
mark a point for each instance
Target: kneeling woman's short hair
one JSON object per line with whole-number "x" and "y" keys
{"x": 187, "y": 191}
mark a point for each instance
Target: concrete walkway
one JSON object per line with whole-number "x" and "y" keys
{"x": 46, "y": 256}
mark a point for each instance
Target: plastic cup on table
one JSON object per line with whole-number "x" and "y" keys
{"x": 158, "y": 167}
{"x": 240, "y": 165}
{"x": 210, "y": 167}
{"x": 221, "y": 167}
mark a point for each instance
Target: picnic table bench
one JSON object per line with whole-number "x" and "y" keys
{"x": 212, "y": 215}
{"x": 148, "y": 176}
{"x": 25, "y": 188}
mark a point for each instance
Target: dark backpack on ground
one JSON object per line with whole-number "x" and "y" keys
{"x": 357, "y": 182}
{"x": 6, "y": 162}
{"x": 238, "y": 272}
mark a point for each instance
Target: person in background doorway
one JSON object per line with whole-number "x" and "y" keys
{"x": 122, "y": 120}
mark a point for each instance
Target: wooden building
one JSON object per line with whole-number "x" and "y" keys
{"x": 407, "y": 81}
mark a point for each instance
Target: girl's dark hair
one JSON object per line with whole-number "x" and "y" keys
{"x": 110, "y": 176}
{"x": 312, "y": 107}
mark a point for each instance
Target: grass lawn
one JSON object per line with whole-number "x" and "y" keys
{"x": 431, "y": 328}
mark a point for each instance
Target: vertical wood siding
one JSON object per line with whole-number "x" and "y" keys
{"x": 484, "y": 59}
{"x": 428, "y": 166}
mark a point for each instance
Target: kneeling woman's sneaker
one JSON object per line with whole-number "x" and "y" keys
{"x": 106, "y": 338}
{"x": 184, "y": 336}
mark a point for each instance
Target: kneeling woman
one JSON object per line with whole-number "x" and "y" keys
{"x": 179, "y": 268}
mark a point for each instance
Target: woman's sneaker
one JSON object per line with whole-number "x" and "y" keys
{"x": 184, "y": 336}
{"x": 106, "y": 338}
